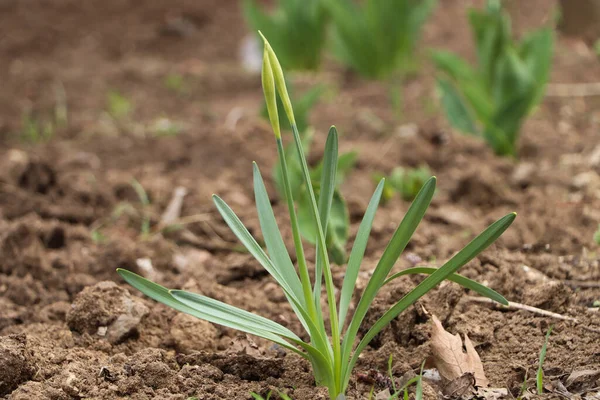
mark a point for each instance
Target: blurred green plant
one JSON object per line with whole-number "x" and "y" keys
{"x": 338, "y": 227}
{"x": 493, "y": 99}
{"x": 377, "y": 37}
{"x": 405, "y": 181}
{"x": 297, "y": 29}
{"x": 597, "y": 235}
{"x": 176, "y": 83}
{"x": 35, "y": 130}
{"x": 118, "y": 106}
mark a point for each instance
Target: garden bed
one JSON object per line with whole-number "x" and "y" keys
{"x": 71, "y": 328}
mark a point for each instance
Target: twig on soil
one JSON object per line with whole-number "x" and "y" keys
{"x": 518, "y": 306}
{"x": 573, "y": 89}
{"x": 173, "y": 211}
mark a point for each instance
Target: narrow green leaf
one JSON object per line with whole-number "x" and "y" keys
{"x": 327, "y": 188}
{"x": 276, "y": 247}
{"x": 358, "y": 252}
{"x": 393, "y": 250}
{"x": 539, "y": 379}
{"x": 456, "y": 278}
{"x": 238, "y": 228}
{"x": 470, "y": 251}
{"x": 456, "y": 110}
{"x": 162, "y": 295}
{"x": 205, "y": 307}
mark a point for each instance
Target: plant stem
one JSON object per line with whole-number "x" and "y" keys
{"x": 333, "y": 316}
{"x": 304, "y": 276}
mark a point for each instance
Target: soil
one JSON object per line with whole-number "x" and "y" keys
{"x": 70, "y": 328}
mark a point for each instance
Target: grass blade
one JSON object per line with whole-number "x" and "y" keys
{"x": 470, "y": 251}
{"x": 358, "y": 252}
{"x": 275, "y": 245}
{"x": 456, "y": 278}
{"x": 162, "y": 295}
{"x": 327, "y": 188}
{"x": 240, "y": 231}
{"x": 207, "y": 307}
{"x": 393, "y": 250}
{"x": 539, "y": 378}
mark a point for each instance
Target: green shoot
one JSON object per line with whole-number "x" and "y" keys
{"x": 597, "y": 235}
{"x": 334, "y": 345}
{"x": 376, "y": 38}
{"x": 539, "y": 377}
{"x": 390, "y": 374}
{"x": 33, "y": 130}
{"x": 419, "y": 390}
{"x": 175, "y": 83}
{"x": 257, "y": 396}
{"x": 143, "y": 196}
{"x": 297, "y": 29}
{"x": 406, "y": 182}
{"x": 338, "y": 227}
{"x": 493, "y": 99}
{"x": 119, "y": 107}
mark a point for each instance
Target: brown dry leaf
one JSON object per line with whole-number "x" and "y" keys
{"x": 450, "y": 359}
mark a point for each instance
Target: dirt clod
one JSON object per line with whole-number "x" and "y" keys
{"x": 106, "y": 310}
{"x": 16, "y": 365}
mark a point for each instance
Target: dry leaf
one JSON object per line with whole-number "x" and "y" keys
{"x": 450, "y": 359}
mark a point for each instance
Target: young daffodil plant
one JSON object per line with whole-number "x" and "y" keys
{"x": 332, "y": 350}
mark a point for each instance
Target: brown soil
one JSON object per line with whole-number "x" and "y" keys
{"x": 71, "y": 329}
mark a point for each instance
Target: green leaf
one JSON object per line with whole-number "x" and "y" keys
{"x": 456, "y": 110}
{"x": 539, "y": 378}
{"x": 240, "y": 231}
{"x": 338, "y": 229}
{"x": 377, "y": 37}
{"x": 275, "y": 245}
{"x": 358, "y": 252}
{"x": 470, "y": 251}
{"x": 452, "y": 65}
{"x": 390, "y": 255}
{"x": 461, "y": 280}
{"x": 210, "y": 309}
{"x": 162, "y": 295}
{"x": 326, "y": 190}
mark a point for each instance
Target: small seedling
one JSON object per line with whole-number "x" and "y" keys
{"x": 35, "y": 130}
{"x": 176, "y": 83}
{"x": 282, "y": 395}
{"x": 338, "y": 226}
{"x": 377, "y": 37}
{"x": 493, "y": 99}
{"x": 539, "y": 377}
{"x": 405, "y": 181}
{"x": 119, "y": 107}
{"x": 597, "y": 235}
{"x": 334, "y": 351}
{"x": 297, "y": 29}
{"x": 145, "y": 200}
